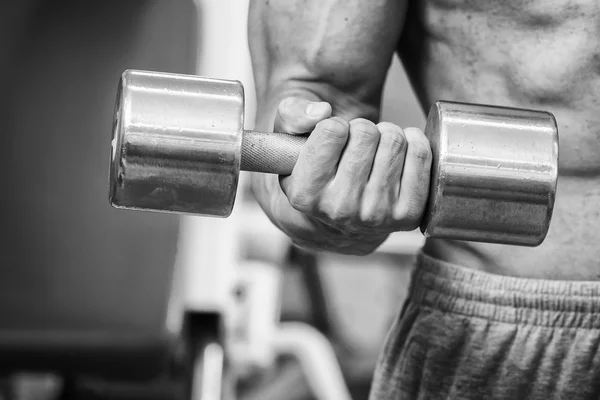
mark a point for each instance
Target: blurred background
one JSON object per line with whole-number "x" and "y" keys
{"x": 103, "y": 303}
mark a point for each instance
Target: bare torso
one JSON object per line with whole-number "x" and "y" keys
{"x": 538, "y": 54}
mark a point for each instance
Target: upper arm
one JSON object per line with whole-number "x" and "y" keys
{"x": 338, "y": 50}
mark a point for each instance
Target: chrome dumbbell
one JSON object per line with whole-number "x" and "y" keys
{"x": 179, "y": 144}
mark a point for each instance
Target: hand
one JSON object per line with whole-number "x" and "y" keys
{"x": 354, "y": 182}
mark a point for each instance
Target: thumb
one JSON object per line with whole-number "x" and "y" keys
{"x": 296, "y": 115}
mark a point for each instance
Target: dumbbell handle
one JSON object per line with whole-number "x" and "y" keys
{"x": 272, "y": 153}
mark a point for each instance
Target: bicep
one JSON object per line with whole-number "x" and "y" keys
{"x": 339, "y": 49}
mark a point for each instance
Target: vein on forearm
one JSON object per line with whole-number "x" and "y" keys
{"x": 332, "y": 50}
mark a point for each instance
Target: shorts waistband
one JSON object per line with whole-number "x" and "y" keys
{"x": 456, "y": 289}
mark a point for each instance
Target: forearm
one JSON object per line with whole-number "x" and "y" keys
{"x": 337, "y": 51}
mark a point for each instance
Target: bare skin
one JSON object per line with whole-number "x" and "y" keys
{"x": 532, "y": 54}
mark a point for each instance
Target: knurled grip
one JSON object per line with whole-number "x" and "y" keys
{"x": 272, "y": 153}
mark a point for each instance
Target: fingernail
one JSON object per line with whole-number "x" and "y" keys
{"x": 316, "y": 109}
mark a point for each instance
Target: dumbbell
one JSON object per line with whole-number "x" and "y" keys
{"x": 179, "y": 144}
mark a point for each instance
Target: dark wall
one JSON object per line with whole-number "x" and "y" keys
{"x": 70, "y": 265}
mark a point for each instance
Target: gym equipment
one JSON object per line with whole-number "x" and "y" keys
{"x": 179, "y": 144}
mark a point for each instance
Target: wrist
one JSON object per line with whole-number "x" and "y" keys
{"x": 268, "y": 103}
{"x": 347, "y": 105}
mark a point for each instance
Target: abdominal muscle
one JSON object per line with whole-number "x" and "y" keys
{"x": 571, "y": 250}
{"x": 520, "y": 53}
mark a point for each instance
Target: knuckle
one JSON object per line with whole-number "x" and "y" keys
{"x": 418, "y": 145}
{"x": 364, "y": 129}
{"x": 375, "y": 211}
{"x": 409, "y": 216}
{"x": 363, "y": 121}
{"x": 388, "y": 126}
{"x": 299, "y": 199}
{"x": 337, "y": 211}
{"x": 373, "y": 217}
{"x": 285, "y": 103}
{"x": 334, "y": 127}
{"x": 393, "y": 137}
{"x": 286, "y": 106}
{"x": 421, "y": 151}
{"x": 288, "y": 119}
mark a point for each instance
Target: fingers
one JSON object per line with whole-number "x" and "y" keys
{"x": 357, "y": 175}
{"x": 296, "y": 115}
{"x": 414, "y": 184}
{"x": 382, "y": 189}
{"x": 357, "y": 159}
{"x": 317, "y": 164}
{"x": 345, "y": 192}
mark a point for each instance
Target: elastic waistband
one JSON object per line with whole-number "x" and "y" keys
{"x": 456, "y": 289}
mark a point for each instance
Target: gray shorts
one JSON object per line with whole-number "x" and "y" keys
{"x": 465, "y": 334}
